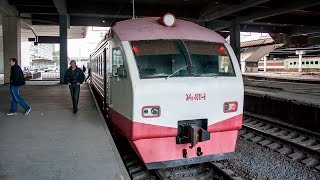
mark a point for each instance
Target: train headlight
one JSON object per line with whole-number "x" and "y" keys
{"x": 168, "y": 20}
{"x": 230, "y": 107}
{"x": 151, "y": 111}
{"x": 155, "y": 111}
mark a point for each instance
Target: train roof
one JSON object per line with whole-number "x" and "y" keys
{"x": 150, "y": 29}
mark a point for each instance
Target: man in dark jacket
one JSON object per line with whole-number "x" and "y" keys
{"x": 74, "y": 77}
{"x": 16, "y": 80}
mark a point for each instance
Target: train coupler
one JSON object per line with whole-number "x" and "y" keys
{"x": 198, "y": 135}
{"x": 192, "y": 131}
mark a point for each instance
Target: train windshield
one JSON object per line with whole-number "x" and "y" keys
{"x": 209, "y": 59}
{"x": 177, "y": 58}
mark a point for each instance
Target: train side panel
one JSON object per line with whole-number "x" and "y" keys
{"x": 97, "y": 65}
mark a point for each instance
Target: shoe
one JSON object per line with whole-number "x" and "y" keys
{"x": 27, "y": 111}
{"x": 11, "y": 114}
{"x": 75, "y": 110}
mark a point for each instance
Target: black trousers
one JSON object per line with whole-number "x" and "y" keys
{"x": 75, "y": 91}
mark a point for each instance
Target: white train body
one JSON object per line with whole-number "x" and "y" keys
{"x": 175, "y": 92}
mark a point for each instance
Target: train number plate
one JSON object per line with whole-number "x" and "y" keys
{"x": 196, "y": 97}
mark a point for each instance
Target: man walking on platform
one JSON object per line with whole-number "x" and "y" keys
{"x": 74, "y": 77}
{"x": 16, "y": 80}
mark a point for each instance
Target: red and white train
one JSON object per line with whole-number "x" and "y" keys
{"x": 173, "y": 88}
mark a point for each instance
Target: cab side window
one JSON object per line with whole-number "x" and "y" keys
{"x": 118, "y": 68}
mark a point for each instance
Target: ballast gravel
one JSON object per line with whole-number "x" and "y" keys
{"x": 259, "y": 163}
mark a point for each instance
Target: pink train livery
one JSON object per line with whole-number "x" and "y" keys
{"x": 173, "y": 88}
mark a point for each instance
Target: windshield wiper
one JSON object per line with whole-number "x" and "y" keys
{"x": 155, "y": 75}
{"x": 176, "y": 71}
{"x": 206, "y": 75}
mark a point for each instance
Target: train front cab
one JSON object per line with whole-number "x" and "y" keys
{"x": 176, "y": 115}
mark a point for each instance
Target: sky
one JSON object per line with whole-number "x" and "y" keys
{"x": 249, "y": 36}
{"x": 83, "y": 47}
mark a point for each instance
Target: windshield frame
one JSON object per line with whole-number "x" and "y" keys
{"x": 189, "y": 66}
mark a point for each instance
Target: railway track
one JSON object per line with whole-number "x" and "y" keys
{"x": 137, "y": 170}
{"x": 296, "y": 143}
{"x": 205, "y": 171}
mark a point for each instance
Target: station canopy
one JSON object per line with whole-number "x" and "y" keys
{"x": 291, "y": 17}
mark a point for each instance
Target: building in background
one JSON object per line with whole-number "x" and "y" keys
{"x": 37, "y": 56}
{"x": 43, "y": 51}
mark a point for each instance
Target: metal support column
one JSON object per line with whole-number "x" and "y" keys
{"x": 300, "y": 53}
{"x": 11, "y": 43}
{"x": 265, "y": 63}
{"x": 63, "y": 23}
{"x": 235, "y": 38}
{"x": 300, "y": 62}
{"x": 243, "y": 66}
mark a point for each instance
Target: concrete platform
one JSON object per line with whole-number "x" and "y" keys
{"x": 299, "y": 93}
{"x": 53, "y": 143}
{"x": 300, "y": 77}
{"x": 294, "y": 103}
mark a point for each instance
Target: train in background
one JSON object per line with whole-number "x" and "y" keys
{"x": 309, "y": 64}
{"x": 171, "y": 87}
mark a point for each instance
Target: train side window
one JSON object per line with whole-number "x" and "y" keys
{"x": 101, "y": 66}
{"x": 295, "y": 63}
{"x": 307, "y": 62}
{"x": 316, "y": 62}
{"x": 96, "y": 61}
{"x": 96, "y": 66}
{"x": 100, "y": 63}
{"x": 311, "y": 62}
{"x": 118, "y": 68}
{"x": 291, "y": 63}
{"x": 302, "y": 62}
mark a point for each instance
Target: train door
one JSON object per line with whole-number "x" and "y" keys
{"x": 120, "y": 97}
{"x": 104, "y": 69}
{"x": 117, "y": 61}
{"x": 108, "y": 74}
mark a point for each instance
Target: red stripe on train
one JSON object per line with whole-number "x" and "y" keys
{"x": 166, "y": 149}
{"x": 146, "y": 131}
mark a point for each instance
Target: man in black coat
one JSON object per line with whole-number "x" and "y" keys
{"x": 16, "y": 80}
{"x": 74, "y": 77}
